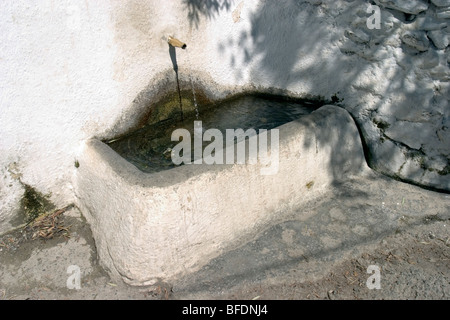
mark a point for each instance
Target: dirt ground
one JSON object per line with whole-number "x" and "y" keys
{"x": 400, "y": 229}
{"x": 414, "y": 264}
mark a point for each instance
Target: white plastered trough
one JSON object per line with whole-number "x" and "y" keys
{"x": 151, "y": 227}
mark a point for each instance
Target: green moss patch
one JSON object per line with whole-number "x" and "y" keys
{"x": 35, "y": 203}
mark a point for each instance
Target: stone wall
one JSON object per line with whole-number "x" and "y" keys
{"x": 406, "y": 122}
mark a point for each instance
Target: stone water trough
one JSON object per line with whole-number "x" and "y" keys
{"x": 152, "y": 227}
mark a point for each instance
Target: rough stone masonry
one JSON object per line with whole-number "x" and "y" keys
{"x": 405, "y": 123}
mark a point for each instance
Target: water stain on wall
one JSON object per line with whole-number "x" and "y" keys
{"x": 135, "y": 14}
{"x": 132, "y": 22}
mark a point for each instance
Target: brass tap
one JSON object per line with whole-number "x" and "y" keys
{"x": 176, "y": 43}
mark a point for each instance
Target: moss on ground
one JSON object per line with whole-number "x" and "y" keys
{"x": 35, "y": 203}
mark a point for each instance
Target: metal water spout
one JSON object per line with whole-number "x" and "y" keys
{"x": 176, "y": 43}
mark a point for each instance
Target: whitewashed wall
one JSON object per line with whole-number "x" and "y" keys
{"x": 70, "y": 70}
{"x": 56, "y": 79}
